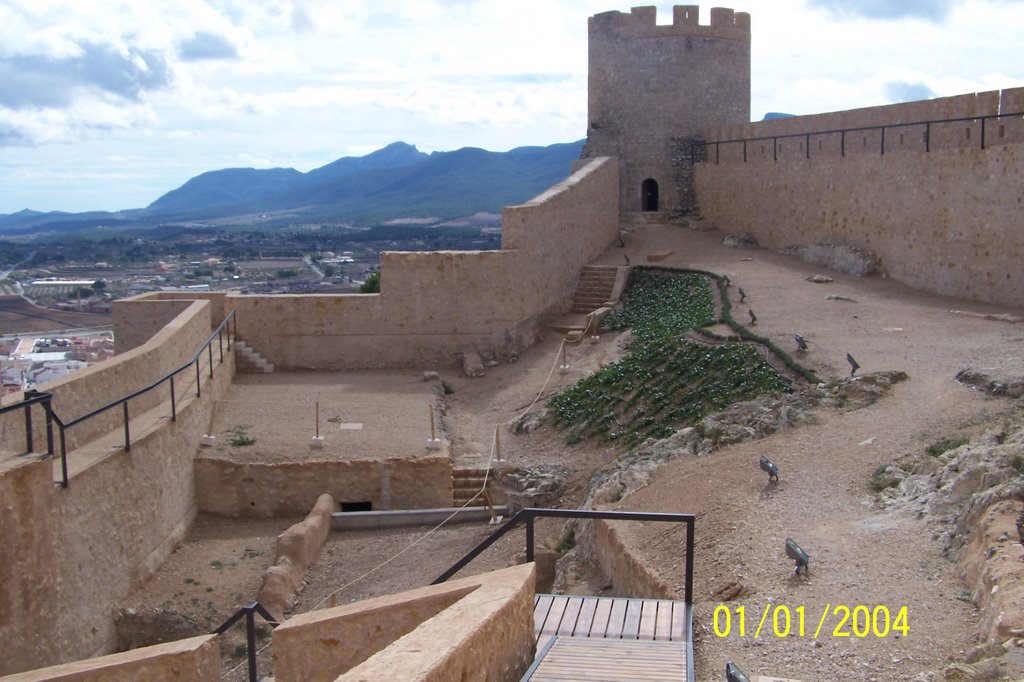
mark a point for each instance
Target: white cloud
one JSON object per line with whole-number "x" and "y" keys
{"x": 177, "y": 87}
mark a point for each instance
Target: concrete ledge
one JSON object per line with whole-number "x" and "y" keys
{"x": 473, "y": 628}
{"x": 373, "y": 520}
{"x": 195, "y": 658}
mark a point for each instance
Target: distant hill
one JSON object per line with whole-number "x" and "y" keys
{"x": 398, "y": 181}
{"x": 772, "y": 115}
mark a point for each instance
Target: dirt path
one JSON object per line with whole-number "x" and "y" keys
{"x": 859, "y": 554}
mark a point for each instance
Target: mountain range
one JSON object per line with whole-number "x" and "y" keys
{"x": 392, "y": 183}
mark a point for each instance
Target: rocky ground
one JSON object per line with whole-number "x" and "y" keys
{"x": 857, "y": 490}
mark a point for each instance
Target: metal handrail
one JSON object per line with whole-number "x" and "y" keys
{"x": 34, "y": 398}
{"x": 528, "y": 514}
{"x": 250, "y": 613}
{"x": 842, "y": 131}
{"x": 222, "y": 330}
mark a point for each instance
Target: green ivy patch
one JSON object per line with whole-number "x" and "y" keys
{"x": 664, "y": 382}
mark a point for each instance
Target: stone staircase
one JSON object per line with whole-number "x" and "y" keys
{"x": 248, "y": 359}
{"x": 597, "y": 283}
{"x": 466, "y": 482}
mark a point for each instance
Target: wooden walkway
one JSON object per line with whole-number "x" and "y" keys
{"x": 610, "y": 638}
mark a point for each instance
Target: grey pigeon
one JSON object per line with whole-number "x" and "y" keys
{"x": 769, "y": 468}
{"x": 854, "y": 365}
{"x": 627, "y": 258}
{"x": 794, "y": 552}
{"x": 734, "y": 674}
{"x": 743, "y": 294}
{"x": 801, "y": 344}
{"x": 753, "y": 317}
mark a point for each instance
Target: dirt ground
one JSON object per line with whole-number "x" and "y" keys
{"x": 859, "y": 554}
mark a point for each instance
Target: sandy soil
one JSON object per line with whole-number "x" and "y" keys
{"x": 860, "y": 555}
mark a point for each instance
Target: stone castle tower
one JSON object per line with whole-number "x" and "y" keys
{"x": 653, "y": 88}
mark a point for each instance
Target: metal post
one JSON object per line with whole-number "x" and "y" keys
{"x": 529, "y": 538}
{"x": 198, "y": 387}
{"x": 63, "y": 459}
{"x": 127, "y": 434}
{"x": 928, "y": 136}
{"x": 250, "y": 640}
{"x": 744, "y": 151}
{"x": 209, "y": 347}
{"x": 689, "y": 561}
{"x": 220, "y": 342}
{"x": 982, "y": 132}
{"x": 842, "y": 143}
{"x": 174, "y": 403}
{"x": 775, "y": 149}
{"x": 49, "y": 426}
{"x": 29, "y": 443}
{"x": 883, "y": 140}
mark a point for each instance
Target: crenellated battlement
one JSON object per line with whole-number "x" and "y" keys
{"x": 641, "y": 22}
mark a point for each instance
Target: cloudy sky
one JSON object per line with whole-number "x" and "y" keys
{"x": 107, "y": 104}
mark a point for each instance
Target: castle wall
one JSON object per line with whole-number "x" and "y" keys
{"x": 650, "y": 84}
{"x": 253, "y": 490}
{"x": 945, "y": 220}
{"x": 71, "y": 553}
{"x": 434, "y": 305}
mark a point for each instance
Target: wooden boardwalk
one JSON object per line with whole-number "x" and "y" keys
{"x": 610, "y": 638}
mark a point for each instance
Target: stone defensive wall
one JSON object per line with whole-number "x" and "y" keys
{"x": 71, "y": 553}
{"x": 434, "y": 305}
{"x": 937, "y": 200}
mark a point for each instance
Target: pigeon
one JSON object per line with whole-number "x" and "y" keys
{"x": 753, "y": 317}
{"x": 734, "y": 674}
{"x": 798, "y": 555}
{"x": 743, "y": 295}
{"x": 854, "y": 365}
{"x": 728, "y": 282}
{"x": 627, "y": 258}
{"x": 801, "y": 344}
{"x": 769, "y": 468}
{"x": 622, "y": 242}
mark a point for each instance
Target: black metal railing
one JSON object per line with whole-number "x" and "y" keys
{"x": 222, "y": 334}
{"x": 701, "y": 147}
{"x": 249, "y": 612}
{"x": 529, "y": 514}
{"x": 34, "y": 398}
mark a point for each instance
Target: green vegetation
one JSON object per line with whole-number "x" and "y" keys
{"x": 238, "y": 436}
{"x": 371, "y": 285}
{"x": 946, "y": 443}
{"x": 664, "y": 382}
{"x": 567, "y": 542}
{"x": 881, "y": 480}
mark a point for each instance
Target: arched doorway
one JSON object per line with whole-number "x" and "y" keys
{"x": 649, "y": 195}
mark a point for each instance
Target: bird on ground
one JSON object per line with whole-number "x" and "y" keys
{"x": 753, "y": 317}
{"x": 622, "y": 242}
{"x": 728, "y": 282}
{"x": 769, "y": 468}
{"x": 794, "y": 552}
{"x": 627, "y": 258}
{"x": 743, "y": 295}
{"x": 854, "y": 365}
{"x": 734, "y": 674}
{"x": 801, "y": 344}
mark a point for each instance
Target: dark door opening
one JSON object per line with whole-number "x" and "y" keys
{"x": 649, "y": 195}
{"x": 356, "y": 506}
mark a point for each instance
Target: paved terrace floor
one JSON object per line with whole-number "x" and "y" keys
{"x": 371, "y": 414}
